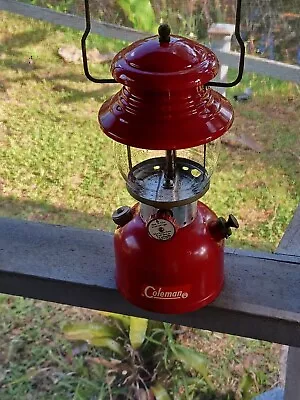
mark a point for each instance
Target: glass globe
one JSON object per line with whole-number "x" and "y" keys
{"x": 167, "y": 178}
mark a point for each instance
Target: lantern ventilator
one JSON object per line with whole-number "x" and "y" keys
{"x": 166, "y": 122}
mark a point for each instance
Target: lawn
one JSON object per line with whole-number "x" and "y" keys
{"x": 57, "y": 167}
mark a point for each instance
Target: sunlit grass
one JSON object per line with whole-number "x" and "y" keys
{"x": 57, "y": 166}
{"x": 54, "y": 153}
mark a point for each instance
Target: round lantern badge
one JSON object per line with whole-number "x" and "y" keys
{"x": 161, "y": 229}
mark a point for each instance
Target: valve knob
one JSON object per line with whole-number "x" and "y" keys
{"x": 221, "y": 228}
{"x": 122, "y": 215}
{"x": 232, "y": 222}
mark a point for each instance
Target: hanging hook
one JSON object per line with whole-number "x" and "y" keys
{"x": 83, "y": 47}
{"x": 237, "y": 33}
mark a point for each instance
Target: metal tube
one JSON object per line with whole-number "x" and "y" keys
{"x": 129, "y": 159}
{"x": 170, "y": 167}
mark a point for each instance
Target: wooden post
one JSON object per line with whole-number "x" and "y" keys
{"x": 292, "y": 380}
{"x": 290, "y": 373}
{"x": 220, "y": 39}
{"x": 290, "y": 243}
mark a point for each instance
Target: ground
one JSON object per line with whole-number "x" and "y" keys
{"x": 57, "y": 167}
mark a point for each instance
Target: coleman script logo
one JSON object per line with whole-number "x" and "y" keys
{"x": 166, "y": 293}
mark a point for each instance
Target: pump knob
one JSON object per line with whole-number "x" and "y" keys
{"x": 122, "y": 215}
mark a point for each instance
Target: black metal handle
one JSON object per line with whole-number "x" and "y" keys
{"x": 219, "y": 84}
{"x": 83, "y": 48}
{"x": 237, "y": 33}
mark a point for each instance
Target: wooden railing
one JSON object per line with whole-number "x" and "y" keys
{"x": 261, "y": 298}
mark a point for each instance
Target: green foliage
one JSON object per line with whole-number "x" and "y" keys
{"x": 160, "y": 392}
{"x": 140, "y": 13}
{"x": 124, "y": 319}
{"x": 59, "y": 6}
{"x": 62, "y": 6}
{"x": 89, "y": 331}
{"x": 137, "y": 331}
{"x": 108, "y": 343}
{"x": 139, "y": 346}
{"x": 192, "y": 359}
{"x": 246, "y": 387}
{"x": 55, "y": 167}
{"x": 97, "y": 334}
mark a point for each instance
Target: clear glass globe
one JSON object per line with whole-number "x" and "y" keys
{"x": 167, "y": 178}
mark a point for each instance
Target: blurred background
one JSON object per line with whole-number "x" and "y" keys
{"x": 57, "y": 167}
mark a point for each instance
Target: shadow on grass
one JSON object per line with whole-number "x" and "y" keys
{"x": 73, "y": 95}
{"x": 29, "y": 210}
{"x": 17, "y": 65}
{"x": 70, "y": 94}
{"x": 23, "y": 39}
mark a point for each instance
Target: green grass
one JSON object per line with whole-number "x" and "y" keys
{"x": 36, "y": 361}
{"x": 56, "y": 166}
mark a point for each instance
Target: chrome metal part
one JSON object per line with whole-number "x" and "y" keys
{"x": 129, "y": 159}
{"x": 170, "y": 170}
{"x": 146, "y": 183}
{"x": 183, "y": 215}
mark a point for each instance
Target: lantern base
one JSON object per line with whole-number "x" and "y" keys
{"x": 170, "y": 276}
{"x": 170, "y": 309}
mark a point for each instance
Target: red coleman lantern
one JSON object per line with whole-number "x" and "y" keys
{"x": 166, "y": 122}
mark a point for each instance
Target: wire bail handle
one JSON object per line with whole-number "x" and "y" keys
{"x": 237, "y": 34}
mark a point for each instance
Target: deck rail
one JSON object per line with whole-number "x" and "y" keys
{"x": 76, "y": 267}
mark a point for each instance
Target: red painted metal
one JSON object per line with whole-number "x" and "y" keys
{"x": 164, "y": 103}
{"x": 179, "y": 64}
{"x": 173, "y": 276}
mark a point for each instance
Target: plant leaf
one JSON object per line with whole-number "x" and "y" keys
{"x": 125, "y": 319}
{"x": 140, "y": 13}
{"x": 108, "y": 343}
{"x": 110, "y": 364}
{"x": 137, "y": 331}
{"x": 88, "y": 331}
{"x": 191, "y": 358}
{"x": 245, "y": 387}
{"x": 160, "y": 392}
{"x": 144, "y": 15}
{"x": 127, "y": 9}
